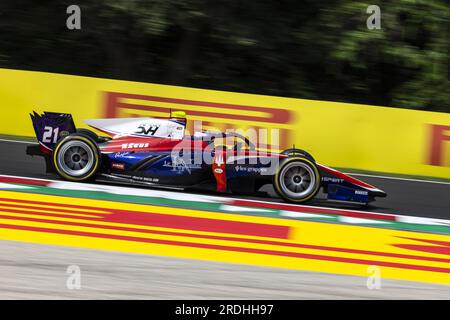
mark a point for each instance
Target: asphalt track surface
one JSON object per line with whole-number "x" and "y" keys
{"x": 405, "y": 197}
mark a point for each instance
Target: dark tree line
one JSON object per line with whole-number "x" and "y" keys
{"x": 311, "y": 49}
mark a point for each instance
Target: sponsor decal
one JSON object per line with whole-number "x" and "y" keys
{"x": 134, "y": 145}
{"x": 439, "y": 142}
{"x": 361, "y": 192}
{"x": 118, "y": 166}
{"x": 121, "y": 154}
{"x": 219, "y": 160}
{"x": 250, "y": 169}
{"x": 141, "y": 178}
{"x": 138, "y": 178}
{"x": 219, "y": 173}
{"x": 63, "y": 134}
{"x": 333, "y": 180}
{"x": 147, "y": 129}
{"x": 179, "y": 165}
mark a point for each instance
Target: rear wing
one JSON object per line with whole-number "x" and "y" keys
{"x": 50, "y": 127}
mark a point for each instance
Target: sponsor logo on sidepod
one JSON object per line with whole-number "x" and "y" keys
{"x": 119, "y": 166}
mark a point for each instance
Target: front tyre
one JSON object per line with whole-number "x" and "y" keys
{"x": 76, "y": 158}
{"x": 297, "y": 180}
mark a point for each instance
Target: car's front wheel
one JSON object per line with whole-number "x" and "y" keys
{"x": 297, "y": 180}
{"x": 76, "y": 158}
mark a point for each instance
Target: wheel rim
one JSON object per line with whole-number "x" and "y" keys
{"x": 76, "y": 158}
{"x": 297, "y": 180}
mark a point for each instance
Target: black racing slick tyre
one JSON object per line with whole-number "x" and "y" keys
{"x": 298, "y": 153}
{"x": 297, "y": 180}
{"x": 88, "y": 133}
{"x": 91, "y": 134}
{"x": 77, "y": 157}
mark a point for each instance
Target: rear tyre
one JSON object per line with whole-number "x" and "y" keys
{"x": 88, "y": 133}
{"x": 298, "y": 153}
{"x": 77, "y": 157}
{"x": 93, "y": 135}
{"x": 297, "y": 180}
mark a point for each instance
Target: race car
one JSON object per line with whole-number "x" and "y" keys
{"x": 158, "y": 152}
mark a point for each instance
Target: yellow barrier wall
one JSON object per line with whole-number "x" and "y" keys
{"x": 337, "y": 134}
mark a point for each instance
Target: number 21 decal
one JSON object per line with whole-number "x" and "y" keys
{"x": 50, "y": 135}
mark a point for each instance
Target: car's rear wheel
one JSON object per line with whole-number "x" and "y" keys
{"x": 297, "y": 180}
{"x": 76, "y": 158}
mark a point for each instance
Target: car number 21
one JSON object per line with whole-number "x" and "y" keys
{"x": 50, "y": 135}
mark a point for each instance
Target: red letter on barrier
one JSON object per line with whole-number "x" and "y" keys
{"x": 439, "y": 135}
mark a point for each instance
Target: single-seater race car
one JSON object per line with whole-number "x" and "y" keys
{"x": 157, "y": 152}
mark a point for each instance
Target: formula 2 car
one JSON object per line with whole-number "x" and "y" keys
{"x": 157, "y": 152}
